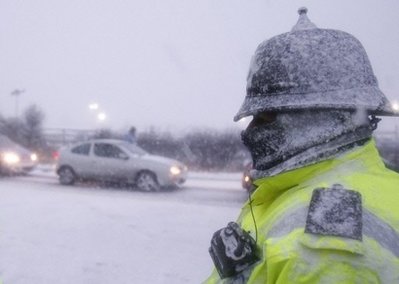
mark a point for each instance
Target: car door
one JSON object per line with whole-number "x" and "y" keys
{"x": 110, "y": 161}
{"x": 80, "y": 160}
{"x": 137, "y": 161}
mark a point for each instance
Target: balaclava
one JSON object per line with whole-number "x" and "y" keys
{"x": 300, "y": 138}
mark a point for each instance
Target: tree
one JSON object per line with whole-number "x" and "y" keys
{"x": 33, "y": 118}
{"x": 13, "y": 128}
{"x": 27, "y": 130}
{"x": 103, "y": 133}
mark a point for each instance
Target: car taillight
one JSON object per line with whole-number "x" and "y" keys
{"x": 56, "y": 155}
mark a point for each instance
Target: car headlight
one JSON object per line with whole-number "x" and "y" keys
{"x": 11, "y": 158}
{"x": 174, "y": 170}
{"x": 33, "y": 157}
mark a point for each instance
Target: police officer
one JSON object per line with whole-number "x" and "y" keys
{"x": 131, "y": 135}
{"x": 325, "y": 208}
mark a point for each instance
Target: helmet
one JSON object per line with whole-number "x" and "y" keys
{"x": 312, "y": 68}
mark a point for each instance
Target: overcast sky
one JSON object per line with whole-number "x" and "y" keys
{"x": 167, "y": 63}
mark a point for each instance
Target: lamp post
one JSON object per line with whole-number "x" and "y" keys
{"x": 16, "y": 93}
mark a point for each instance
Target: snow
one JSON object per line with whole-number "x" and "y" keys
{"x": 89, "y": 234}
{"x": 336, "y": 212}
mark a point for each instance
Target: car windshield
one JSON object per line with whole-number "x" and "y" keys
{"x": 132, "y": 148}
{"x": 6, "y": 144}
{"x": 5, "y": 141}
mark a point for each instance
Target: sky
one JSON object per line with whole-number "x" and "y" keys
{"x": 163, "y": 63}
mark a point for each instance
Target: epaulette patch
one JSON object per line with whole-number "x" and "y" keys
{"x": 336, "y": 212}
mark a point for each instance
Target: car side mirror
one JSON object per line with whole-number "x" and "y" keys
{"x": 123, "y": 156}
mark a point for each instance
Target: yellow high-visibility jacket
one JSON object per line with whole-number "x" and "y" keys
{"x": 290, "y": 255}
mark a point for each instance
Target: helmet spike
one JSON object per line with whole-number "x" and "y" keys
{"x": 303, "y": 22}
{"x": 302, "y": 10}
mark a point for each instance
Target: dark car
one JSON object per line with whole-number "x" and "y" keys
{"x": 15, "y": 159}
{"x": 246, "y": 180}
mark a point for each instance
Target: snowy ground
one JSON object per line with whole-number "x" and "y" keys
{"x": 88, "y": 234}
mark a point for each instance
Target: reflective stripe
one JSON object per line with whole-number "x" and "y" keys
{"x": 373, "y": 227}
{"x": 380, "y": 231}
{"x": 288, "y": 222}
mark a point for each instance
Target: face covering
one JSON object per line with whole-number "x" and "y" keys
{"x": 264, "y": 142}
{"x": 293, "y": 133}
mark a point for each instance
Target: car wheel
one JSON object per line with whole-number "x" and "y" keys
{"x": 147, "y": 181}
{"x": 66, "y": 176}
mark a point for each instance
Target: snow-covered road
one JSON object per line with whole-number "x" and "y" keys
{"x": 88, "y": 234}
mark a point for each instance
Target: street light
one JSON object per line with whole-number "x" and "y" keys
{"x": 16, "y": 93}
{"x": 395, "y": 106}
{"x": 93, "y": 106}
{"x": 101, "y": 116}
{"x": 95, "y": 109}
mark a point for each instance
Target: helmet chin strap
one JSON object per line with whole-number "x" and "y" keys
{"x": 320, "y": 152}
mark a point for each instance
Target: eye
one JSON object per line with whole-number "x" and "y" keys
{"x": 263, "y": 118}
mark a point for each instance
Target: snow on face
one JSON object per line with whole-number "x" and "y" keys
{"x": 294, "y": 132}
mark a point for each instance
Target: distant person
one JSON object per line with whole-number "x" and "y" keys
{"x": 324, "y": 208}
{"x": 131, "y": 135}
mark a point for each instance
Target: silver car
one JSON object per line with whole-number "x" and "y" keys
{"x": 120, "y": 161}
{"x": 15, "y": 159}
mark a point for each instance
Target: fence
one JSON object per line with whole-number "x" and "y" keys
{"x": 57, "y": 137}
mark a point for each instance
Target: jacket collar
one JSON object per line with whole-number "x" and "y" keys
{"x": 268, "y": 188}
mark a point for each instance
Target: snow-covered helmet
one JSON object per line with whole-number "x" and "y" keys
{"x": 312, "y": 68}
